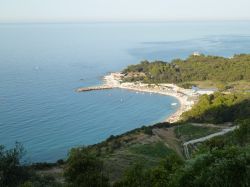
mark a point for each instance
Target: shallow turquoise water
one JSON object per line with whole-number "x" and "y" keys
{"x": 42, "y": 64}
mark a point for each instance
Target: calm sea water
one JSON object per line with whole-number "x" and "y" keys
{"x": 42, "y": 64}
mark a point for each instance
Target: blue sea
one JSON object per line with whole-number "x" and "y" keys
{"x": 42, "y": 64}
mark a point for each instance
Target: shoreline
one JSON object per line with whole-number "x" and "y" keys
{"x": 186, "y": 97}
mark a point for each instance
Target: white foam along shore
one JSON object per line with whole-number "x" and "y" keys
{"x": 186, "y": 97}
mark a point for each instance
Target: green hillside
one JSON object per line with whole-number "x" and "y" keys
{"x": 220, "y": 72}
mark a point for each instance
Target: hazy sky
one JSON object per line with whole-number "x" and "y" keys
{"x": 122, "y": 10}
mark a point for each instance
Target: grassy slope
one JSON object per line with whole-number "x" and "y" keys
{"x": 149, "y": 149}
{"x": 188, "y": 132}
{"x": 149, "y": 154}
{"x": 119, "y": 153}
{"x": 138, "y": 147}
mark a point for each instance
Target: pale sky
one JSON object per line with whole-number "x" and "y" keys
{"x": 122, "y": 10}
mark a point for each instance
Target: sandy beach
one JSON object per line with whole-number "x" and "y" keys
{"x": 186, "y": 97}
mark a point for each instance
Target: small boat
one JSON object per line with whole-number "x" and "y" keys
{"x": 173, "y": 104}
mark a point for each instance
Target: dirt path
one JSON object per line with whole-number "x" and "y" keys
{"x": 191, "y": 142}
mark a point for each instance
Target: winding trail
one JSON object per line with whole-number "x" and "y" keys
{"x": 192, "y": 142}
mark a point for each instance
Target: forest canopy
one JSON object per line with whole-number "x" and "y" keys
{"x": 194, "y": 68}
{"x": 219, "y": 108}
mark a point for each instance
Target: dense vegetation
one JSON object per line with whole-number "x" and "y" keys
{"x": 194, "y": 68}
{"x": 221, "y": 161}
{"x": 219, "y": 108}
{"x": 85, "y": 170}
{"x": 13, "y": 173}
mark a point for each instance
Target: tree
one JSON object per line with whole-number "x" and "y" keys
{"x": 135, "y": 176}
{"x": 243, "y": 132}
{"x": 160, "y": 176}
{"x": 226, "y": 167}
{"x": 84, "y": 170}
{"x": 12, "y": 173}
{"x": 218, "y": 108}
